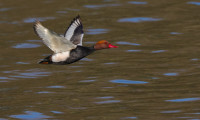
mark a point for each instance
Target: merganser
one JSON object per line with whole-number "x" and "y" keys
{"x": 68, "y": 48}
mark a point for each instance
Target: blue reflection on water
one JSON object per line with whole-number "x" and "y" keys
{"x": 3, "y": 119}
{"x": 4, "y": 9}
{"x": 96, "y": 31}
{"x": 194, "y": 3}
{"x": 108, "y": 101}
{"x": 30, "y": 115}
{"x": 170, "y": 74}
{"x": 57, "y": 112}
{"x": 183, "y": 100}
{"x": 127, "y": 81}
{"x": 127, "y": 43}
{"x": 44, "y": 92}
{"x": 100, "y": 6}
{"x": 171, "y": 111}
{"x": 137, "y": 2}
{"x": 86, "y": 59}
{"x": 110, "y": 63}
{"x": 26, "y": 45}
{"x": 129, "y": 118}
{"x": 87, "y": 80}
{"x": 175, "y": 33}
{"x": 134, "y": 50}
{"x": 139, "y": 19}
{"x": 158, "y": 51}
{"x": 56, "y": 86}
{"x": 32, "y": 20}
{"x": 105, "y": 97}
{"x": 194, "y": 59}
{"x": 31, "y": 73}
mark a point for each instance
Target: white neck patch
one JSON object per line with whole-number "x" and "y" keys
{"x": 59, "y": 57}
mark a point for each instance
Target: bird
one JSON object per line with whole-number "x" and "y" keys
{"x": 67, "y": 48}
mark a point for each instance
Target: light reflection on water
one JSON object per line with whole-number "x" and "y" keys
{"x": 100, "y": 6}
{"x": 44, "y": 92}
{"x": 108, "y": 101}
{"x": 4, "y": 9}
{"x": 26, "y": 45}
{"x": 57, "y": 112}
{"x": 171, "y": 74}
{"x": 32, "y": 20}
{"x": 171, "y": 111}
{"x": 96, "y": 31}
{"x": 175, "y": 33}
{"x": 194, "y": 3}
{"x": 122, "y": 81}
{"x": 139, "y": 19}
{"x": 31, "y": 73}
{"x": 22, "y": 63}
{"x": 129, "y": 118}
{"x": 137, "y": 2}
{"x": 134, "y": 50}
{"x": 184, "y": 100}
{"x": 87, "y": 80}
{"x": 158, "y": 51}
{"x": 105, "y": 97}
{"x": 31, "y": 115}
{"x": 56, "y": 86}
{"x": 127, "y": 43}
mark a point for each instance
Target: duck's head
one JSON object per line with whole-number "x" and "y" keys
{"x": 103, "y": 44}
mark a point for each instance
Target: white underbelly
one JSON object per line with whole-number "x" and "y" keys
{"x": 59, "y": 57}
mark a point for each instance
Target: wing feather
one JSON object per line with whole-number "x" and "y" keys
{"x": 54, "y": 41}
{"x": 75, "y": 33}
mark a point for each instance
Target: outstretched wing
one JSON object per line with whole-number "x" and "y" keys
{"x": 54, "y": 41}
{"x": 75, "y": 33}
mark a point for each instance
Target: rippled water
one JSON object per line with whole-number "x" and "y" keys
{"x": 152, "y": 75}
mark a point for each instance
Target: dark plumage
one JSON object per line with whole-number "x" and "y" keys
{"x": 68, "y": 48}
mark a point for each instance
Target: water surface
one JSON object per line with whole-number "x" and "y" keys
{"x": 152, "y": 75}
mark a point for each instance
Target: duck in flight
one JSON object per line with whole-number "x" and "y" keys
{"x": 68, "y": 48}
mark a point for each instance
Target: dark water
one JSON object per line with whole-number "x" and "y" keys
{"x": 153, "y": 75}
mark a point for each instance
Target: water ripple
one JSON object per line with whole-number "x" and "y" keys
{"x": 31, "y": 73}
{"x": 56, "y": 86}
{"x": 96, "y": 31}
{"x": 4, "y": 9}
{"x": 105, "y": 97}
{"x": 127, "y": 81}
{"x": 175, "y": 33}
{"x": 30, "y": 115}
{"x": 184, "y": 100}
{"x": 170, "y": 74}
{"x": 32, "y": 20}
{"x": 194, "y": 3}
{"x": 127, "y": 43}
{"x": 158, "y": 51}
{"x": 171, "y": 111}
{"x": 129, "y": 118}
{"x": 100, "y": 6}
{"x": 108, "y": 101}
{"x": 26, "y": 45}
{"x": 134, "y": 50}
{"x": 87, "y": 80}
{"x": 139, "y": 19}
{"x": 137, "y": 2}
{"x": 57, "y": 112}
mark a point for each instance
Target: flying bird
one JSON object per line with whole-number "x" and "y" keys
{"x": 68, "y": 48}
